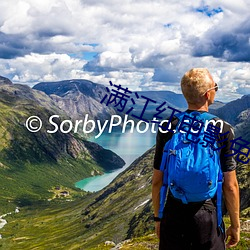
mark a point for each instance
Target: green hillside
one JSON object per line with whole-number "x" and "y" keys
{"x": 31, "y": 164}
{"x": 122, "y": 213}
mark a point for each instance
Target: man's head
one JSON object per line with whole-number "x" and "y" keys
{"x": 198, "y": 86}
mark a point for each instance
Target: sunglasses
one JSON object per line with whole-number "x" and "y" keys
{"x": 216, "y": 87}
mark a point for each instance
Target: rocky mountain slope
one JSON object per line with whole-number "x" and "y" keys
{"x": 78, "y": 98}
{"x": 4, "y": 80}
{"x": 242, "y": 128}
{"x": 237, "y": 114}
{"x": 231, "y": 111}
{"x": 31, "y": 163}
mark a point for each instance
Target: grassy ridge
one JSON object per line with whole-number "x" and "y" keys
{"x": 54, "y": 225}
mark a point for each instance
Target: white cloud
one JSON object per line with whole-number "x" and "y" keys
{"x": 16, "y": 18}
{"x": 33, "y": 16}
{"x": 140, "y": 44}
{"x": 35, "y": 68}
{"x": 114, "y": 60}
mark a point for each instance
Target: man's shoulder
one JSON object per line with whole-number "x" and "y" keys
{"x": 224, "y": 126}
{"x": 175, "y": 118}
{"x": 215, "y": 121}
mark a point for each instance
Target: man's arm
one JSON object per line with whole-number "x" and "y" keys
{"x": 156, "y": 187}
{"x": 157, "y": 178}
{"x": 232, "y": 200}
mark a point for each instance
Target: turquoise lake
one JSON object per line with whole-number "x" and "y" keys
{"x": 129, "y": 146}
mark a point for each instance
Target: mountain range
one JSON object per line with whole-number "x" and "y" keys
{"x": 80, "y": 97}
{"x": 120, "y": 211}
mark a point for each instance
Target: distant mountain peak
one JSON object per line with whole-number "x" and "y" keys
{"x": 61, "y": 88}
{"x": 4, "y": 80}
{"x": 78, "y": 97}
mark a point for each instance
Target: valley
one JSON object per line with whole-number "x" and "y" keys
{"x": 38, "y": 172}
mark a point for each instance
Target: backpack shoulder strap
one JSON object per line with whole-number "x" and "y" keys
{"x": 180, "y": 115}
{"x": 208, "y": 116}
{"x": 205, "y": 115}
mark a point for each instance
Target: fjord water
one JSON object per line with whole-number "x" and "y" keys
{"x": 128, "y": 146}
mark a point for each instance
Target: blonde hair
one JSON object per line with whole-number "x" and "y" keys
{"x": 195, "y": 83}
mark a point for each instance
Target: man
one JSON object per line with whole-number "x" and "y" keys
{"x": 194, "y": 225}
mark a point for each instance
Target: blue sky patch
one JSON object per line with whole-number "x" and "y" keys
{"x": 89, "y": 55}
{"x": 168, "y": 25}
{"x": 206, "y": 10}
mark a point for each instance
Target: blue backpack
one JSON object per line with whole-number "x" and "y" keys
{"x": 191, "y": 171}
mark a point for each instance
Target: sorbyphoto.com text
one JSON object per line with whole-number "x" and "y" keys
{"x": 116, "y": 122}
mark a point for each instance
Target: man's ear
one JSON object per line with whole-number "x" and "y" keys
{"x": 207, "y": 95}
